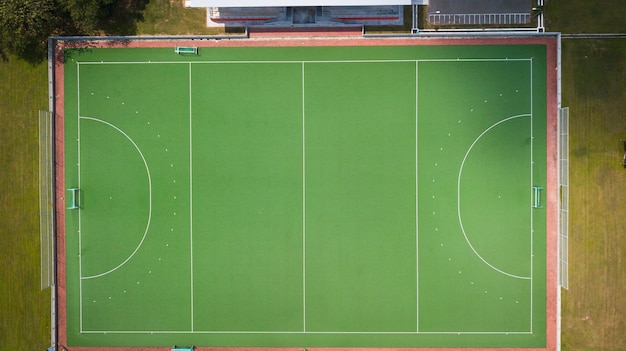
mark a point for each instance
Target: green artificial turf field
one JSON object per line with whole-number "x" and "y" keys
{"x": 334, "y": 196}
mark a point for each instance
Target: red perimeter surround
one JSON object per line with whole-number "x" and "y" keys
{"x": 330, "y": 37}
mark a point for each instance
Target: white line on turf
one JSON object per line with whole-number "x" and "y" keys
{"x": 149, "y": 197}
{"x": 305, "y": 61}
{"x": 417, "y": 300}
{"x": 191, "y": 199}
{"x": 304, "y": 294}
{"x": 459, "y": 197}
{"x": 303, "y": 208}
{"x": 80, "y": 247}
{"x": 272, "y": 332}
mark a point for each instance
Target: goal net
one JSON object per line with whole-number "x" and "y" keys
{"x": 46, "y": 198}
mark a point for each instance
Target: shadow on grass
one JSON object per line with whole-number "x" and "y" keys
{"x": 124, "y": 16}
{"x": 120, "y": 19}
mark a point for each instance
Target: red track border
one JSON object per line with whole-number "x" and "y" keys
{"x": 325, "y": 37}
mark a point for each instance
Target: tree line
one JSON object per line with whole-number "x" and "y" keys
{"x": 25, "y": 25}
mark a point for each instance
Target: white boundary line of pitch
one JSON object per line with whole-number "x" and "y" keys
{"x": 302, "y": 62}
{"x": 80, "y": 247}
{"x": 225, "y": 332}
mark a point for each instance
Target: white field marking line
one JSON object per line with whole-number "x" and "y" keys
{"x": 149, "y": 196}
{"x": 80, "y": 243}
{"x": 532, "y": 223}
{"x": 302, "y": 332}
{"x": 305, "y": 61}
{"x": 303, "y": 209}
{"x": 459, "y": 197}
{"x": 191, "y": 199}
{"x": 417, "y": 284}
{"x": 302, "y": 62}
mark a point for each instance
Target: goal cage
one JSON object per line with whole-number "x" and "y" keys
{"x": 46, "y": 197}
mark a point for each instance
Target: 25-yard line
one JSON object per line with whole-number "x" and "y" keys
{"x": 191, "y": 198}
{"x": 303, "y": 211}
{"x": 417, "y": 293}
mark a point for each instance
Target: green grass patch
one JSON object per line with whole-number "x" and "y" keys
{"x": 594, "y": 87}
{"x": 585, "y": 17}
{"x": 172, "y": 18}
{"x": 24, "y": 308}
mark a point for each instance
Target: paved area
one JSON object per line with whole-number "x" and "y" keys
{"x": 479, "y": 12}
{"x": 478, "y": 6}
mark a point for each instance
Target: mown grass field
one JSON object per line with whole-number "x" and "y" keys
{"x": 170, "y": 17}
{"x": 24, "y": 308}
{"x": 594, "y": 87}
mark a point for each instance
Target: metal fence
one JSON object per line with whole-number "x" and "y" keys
{"x": 564, "y": 195}
{"x": 478, "y": 18}
{"x": 46, "y": 198}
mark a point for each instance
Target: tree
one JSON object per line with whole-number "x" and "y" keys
{"x": 87, "y": 16}
{"x": 25, "y": 26}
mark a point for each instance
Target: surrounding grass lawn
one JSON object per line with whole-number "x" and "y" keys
{"x": 594, "y": 87}
{"x": 24, "y": 308}
{"x": 172, "y": 18}
{"x": 571, "y": 16}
